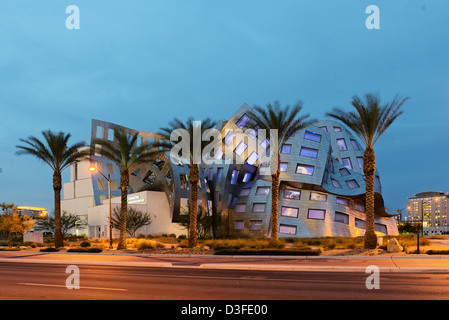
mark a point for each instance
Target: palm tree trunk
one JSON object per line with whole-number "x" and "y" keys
{"x": 124, "y": 187}
{"x": 193, "y": 180}
{"x": 369, "y": 168}
{"x": 57, "y": 186}
{"x": 275, "y": 203}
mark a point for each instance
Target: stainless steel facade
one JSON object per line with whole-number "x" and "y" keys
{"x": 322, "y": 183}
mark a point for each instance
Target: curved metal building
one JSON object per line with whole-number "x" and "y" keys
{"x": 322, "y": 184}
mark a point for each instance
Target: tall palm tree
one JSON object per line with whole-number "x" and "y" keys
{"x": 55, "y": 152}
{"x": 192, "y": 129}
{"x": 286, "y": 121}
{"x": 126, "y": 155}
{"x": 369, "y": 121}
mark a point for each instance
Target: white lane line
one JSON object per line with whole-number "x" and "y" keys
{"x": 63, "y": 286}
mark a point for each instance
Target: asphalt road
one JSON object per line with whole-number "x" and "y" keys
{"x": 47, "y": 281}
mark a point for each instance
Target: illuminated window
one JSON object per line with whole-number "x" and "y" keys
{"x": 247, "y": 177}
{"x": 318, "y": 196}
{"x": 346, "y": 163}
{"x": 262, "y": 191}
{"x": 286, "y": 148}
{"x": 238, "y": 224}
{"x": 292, "y": 194}
{"x": 219, "y": 174}
{"x": 341, "y": 217}
{"x": 258, "y": 207}
{"x": 316, "y": 214}
{"x": 355, "y": 145}
{"x": 240, "y": 148}
{"x": 337, "y": 129}
{"x": 343, "y": 201}
{"x": 243, "y": 121}
{"x": 255, "y": 225}
{"x": 352, "y": 184}
{"x": 360, "y": 162}
{"x": 283, "y": 166}
{"x": 235, "y": 174}
{"x": 304, "y": 169}
{"x": 309, "y": 135}
{"x": 252, "y": 158}
{"x": 287, "y": 229}
{"x": 241, "y": 208}
{"x": 245, "y": 192}
{"x": 229, "y": 138}
{"x": 309, "y": 152}
{"x": 342, "y": 145}
{"x": 289, "y": 212}
{"x": 324, "y": 128}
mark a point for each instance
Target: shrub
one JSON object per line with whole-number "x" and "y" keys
{"x": 85, "y": 244}
{"x": 270, "y": 252}
{"x": 85, "y": 249}
{"x": 49, "y": 249}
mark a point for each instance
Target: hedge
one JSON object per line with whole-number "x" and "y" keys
{"x": 268, "y": 252}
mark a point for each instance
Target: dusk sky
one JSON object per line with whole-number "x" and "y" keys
{"x": 142, "y": 63}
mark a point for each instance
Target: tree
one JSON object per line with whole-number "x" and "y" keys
{"x": 192, "y": 158}
{"x": 369, "y": 121}
{"x": 126, "y": 155}
{"x": 68, "y": 221}
{"x": 55, "y": 152}
{"x": 11, "y": 223}
{"x": 285, "y": 121}
{"x": 136, "y": 219}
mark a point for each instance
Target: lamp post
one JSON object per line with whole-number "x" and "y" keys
{"x": 108, "y": 178}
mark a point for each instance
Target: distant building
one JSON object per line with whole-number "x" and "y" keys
{"x": 33, "y": 212}
{"x": 431, "y": 209}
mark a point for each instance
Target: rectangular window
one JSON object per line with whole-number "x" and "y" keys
{"x": 283, "y": 166}
{"x": 252, "y": 158}
{"x": 241, "y": 208}
{"x": 335, "y": 183}
{"x": 342, "y": 145}
{"x": 346, "y": 163}
{"x": 286, "y": 148}
{"x": 243, "y": 121}
{"x": 309, "y": 152}
{"x": 110, "y": 168}
{"x": 245, "y": 192}
{"x": 337, "y": 129}
{"x": 101, "y": 184}
{"x": 289, "y": 212}
{"x": 114, "y": 185}
{"x": 111, "y": 134}
{"x": 309, "y": 135}
{"x": 359, "y": 207}
{"x": 318, "y": 196}
{"x": 184, "y": 181}
{"x": 255, "y": 225}
{"x": 262, "y": 191}
{"x": 360, "y": 223}
{"x": 235, "y": 174}
{"x": 305, "y": 169}
{"x": 286, "y": 229}
{"x": 258, "y": 207}
{"x": 355, "y": 145}
{"x": 324, "y": 128}
{"x": 265, "y": 143}
{"x": 343, "y": 201}
{"x": 292, "y": 194}
{"x": 316, "y": 214}
{"x": 238, "y": 224}
{"x": 352, "y": 184}
{"x": 219, "y": 174}
{"x": 99, "y": 132}
{"x": 344, "y": 172}
{"x": 210, "y": 175}
{"x": 254, "y": 132}
{"x": 247, "y": 177}
{"x": 240, "y": 148}
{"x": 360, "y": 162}
{"x": 341, "y": 217}
{"x": 380, "y": 228}
{"x": 218, "y": 154}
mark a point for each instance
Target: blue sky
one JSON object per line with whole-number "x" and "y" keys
{"x": 141, "y": 63}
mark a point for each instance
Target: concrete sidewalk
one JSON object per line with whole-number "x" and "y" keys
{"x": 405, "y": 264}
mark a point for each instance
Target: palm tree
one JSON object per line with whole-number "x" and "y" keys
{"x": 369, "y": 121}
{"x": 55, "y": 152}
{"x": 126, "y": 155}
{"x": 192, "y": 129}
{"x": 286, "y": 121}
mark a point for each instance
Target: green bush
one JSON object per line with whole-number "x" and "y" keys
{"x": 85, "y": 244}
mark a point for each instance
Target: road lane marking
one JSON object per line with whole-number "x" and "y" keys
{"x": 63, "y": 286}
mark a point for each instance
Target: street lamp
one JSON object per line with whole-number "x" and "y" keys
{"x": 108, "y": 178}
